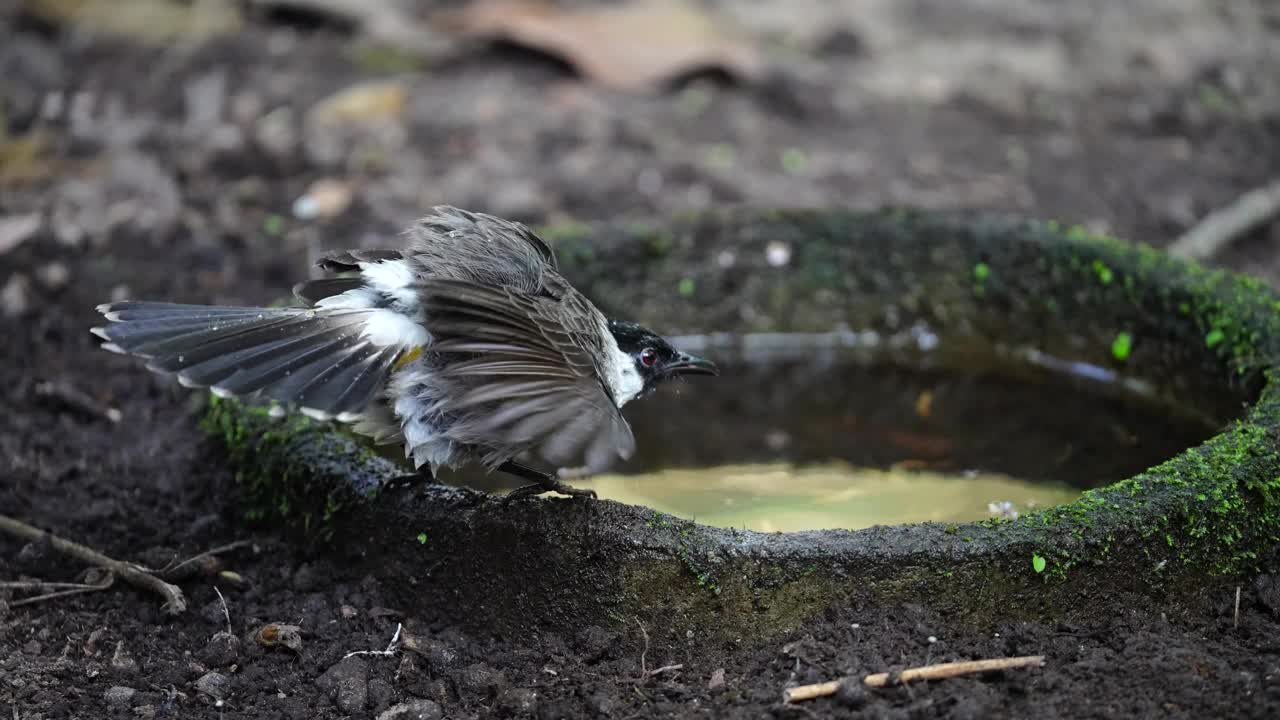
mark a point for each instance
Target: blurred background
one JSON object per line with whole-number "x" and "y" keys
{"x": 240, "y": 136}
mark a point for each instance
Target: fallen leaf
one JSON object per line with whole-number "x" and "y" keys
{"x": 634, "y": 46}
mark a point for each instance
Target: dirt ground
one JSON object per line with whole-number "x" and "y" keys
{"x": 172, "y": 173}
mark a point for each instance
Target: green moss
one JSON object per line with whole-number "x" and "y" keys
{"x": 1121, "y": 346}
{"x": 293, "y": 471}
{"x": 1102, "y": 271}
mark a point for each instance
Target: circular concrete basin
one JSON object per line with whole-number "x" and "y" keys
{"x": 1191, "y": 523}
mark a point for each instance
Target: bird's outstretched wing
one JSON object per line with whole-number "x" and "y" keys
{"x": 525, "y": 374}
{"x": 448, "y": 244}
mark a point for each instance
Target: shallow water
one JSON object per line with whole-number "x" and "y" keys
{"x": 782, "y": 497}
{"x": 850, "y": 431}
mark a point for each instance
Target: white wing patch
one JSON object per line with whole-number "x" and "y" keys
{"x": 388, "y": 327}
{"x": 393, "y": 278}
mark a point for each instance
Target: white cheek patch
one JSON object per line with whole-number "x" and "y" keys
{"x": 623, "y": 377}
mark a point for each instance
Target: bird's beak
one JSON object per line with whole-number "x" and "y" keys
{"x": 686, "y": 364}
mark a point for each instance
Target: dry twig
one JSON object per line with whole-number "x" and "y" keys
{"x": 940, "y": 671}
{"x": 1235, "y": 618}
{"x": 1221, "y": 227}
{"x": 67, "y": 590}
{"x": 391, "y": 646}
{"x": 225, "y": 612}
{"x": 131, "y": 573}
{"x": 172, "y": 570}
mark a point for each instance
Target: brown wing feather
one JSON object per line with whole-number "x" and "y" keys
{"x": 525, "y": 376}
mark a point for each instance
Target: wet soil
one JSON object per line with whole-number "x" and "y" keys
{"x": 1137, "y": 132}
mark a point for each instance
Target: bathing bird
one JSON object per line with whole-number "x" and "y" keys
{"x": 467, "y": 346}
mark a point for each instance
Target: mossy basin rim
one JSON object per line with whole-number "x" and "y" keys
{"x": 1177, "y": 531}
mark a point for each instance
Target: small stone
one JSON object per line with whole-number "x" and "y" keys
{"x": 717, "y": 680}
{"x": 121, "y": 661}
{"x": 777, "y": 254}
{"x": 54, "y": 275}
{"x": 602, "y": 703}
{"x": 215, "y": 685}
{"x": 1267, "y": 586}
{"x": 14, "y": 298}
{"x": 222, "y": 650}
{"x": 380, "y": 694}
{"x": 348, "y": 612}
{"x": 851, "y": 694}
{"x": 519, "y": 701}
{"x": 145, "y": 712}
{"x": 440, "y": 655}
{"x": 15, "y": 229}
{"x": 413, "y": 710}
{"x": 90, "y": 647}
{"x": 305, "y": 578}
{"x": 481, "y": 679}
{"x": 32, "y": 648}
{"x": 348, "y": 683}
{"x": 596, "y": 643}
{"x": 119, "y": 695}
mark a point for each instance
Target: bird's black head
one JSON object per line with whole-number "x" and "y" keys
{"x": 654, "y": 358}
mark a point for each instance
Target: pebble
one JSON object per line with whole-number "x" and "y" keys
{"x": 119, "y": 695}
{"x": 481, "y": 679}
{"x": 851, "y": 694}
{"x": 1268, "y": 588}
{"x": 14, "y": 298}
{"x": 439, "y": 654}
{"x": 16, "y": 229}
{"x": 519, "y": 701}
{"x": 596, "y": 643}
{"x": 413, "y": 710}
{"x": 717, "y": 680}
{"x": 305, "y": 578}
{"x": 215, "y": 685}
{"x": 54, "y": 276}
{"x": 222, "y": 650}
{"x": 348, "y": 682}
{"x": 122, "y": 661}
{"x": 380, "y": 694}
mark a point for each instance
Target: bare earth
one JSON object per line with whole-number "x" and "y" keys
{"x": 171, "y": 174}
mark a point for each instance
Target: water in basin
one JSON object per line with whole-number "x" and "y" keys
{"x": 849, "y": 431}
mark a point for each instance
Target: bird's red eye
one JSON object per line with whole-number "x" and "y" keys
{"x": 648, "y": 357}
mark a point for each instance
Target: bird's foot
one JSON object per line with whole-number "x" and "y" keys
{"x": 544, "y": 482}
{"x": 422, "y": 477}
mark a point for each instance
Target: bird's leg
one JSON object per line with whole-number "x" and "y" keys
{"x": 542, "y": 482}
{"x": 423, "y": 476}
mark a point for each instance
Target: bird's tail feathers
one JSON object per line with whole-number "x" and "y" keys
{"x": 322, "y": 360}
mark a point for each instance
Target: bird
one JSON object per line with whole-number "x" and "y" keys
{"x": 466, "y": 345}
